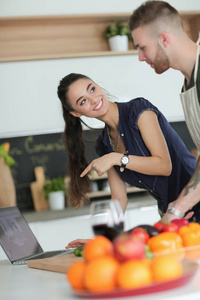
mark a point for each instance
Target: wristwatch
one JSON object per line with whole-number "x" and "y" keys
{"x": 124, "y": 160}
{"x": 176, "y": 212}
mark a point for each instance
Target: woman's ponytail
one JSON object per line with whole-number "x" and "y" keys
{"x": 74, "y": 144}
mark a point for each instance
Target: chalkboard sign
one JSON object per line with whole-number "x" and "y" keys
{"x": 46, "y": 150}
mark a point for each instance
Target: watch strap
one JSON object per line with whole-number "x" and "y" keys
{"x": 123, "y": 166}
{"x": 175, "y": 211}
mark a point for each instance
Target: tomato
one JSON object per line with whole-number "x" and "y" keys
{"x": 171, "y": 227}
{"x": 159, "y": 226}
{"x": 180, "y": 222}
{"x": 141, "y": 233}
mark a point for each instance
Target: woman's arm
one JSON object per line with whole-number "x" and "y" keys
{"x": 118, "y": 188}
{"x": 77, "y": 243}
{"x": 118, "y": 191}
{"x": 159, "y": 163}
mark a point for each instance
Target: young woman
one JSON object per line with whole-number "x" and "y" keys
{"x": 137, "y": 145}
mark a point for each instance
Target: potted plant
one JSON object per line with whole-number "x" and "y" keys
{"x": 55, "y": 192}
{"x": 118, "y": 35}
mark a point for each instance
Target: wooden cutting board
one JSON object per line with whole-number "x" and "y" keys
{"x": 39, "y": 201}
{"x": 58, "y": 264}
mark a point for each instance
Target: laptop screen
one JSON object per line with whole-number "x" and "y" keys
{"x": 16, "y": 237}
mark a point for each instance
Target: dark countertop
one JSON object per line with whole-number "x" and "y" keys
{"x": 137, "y": 200}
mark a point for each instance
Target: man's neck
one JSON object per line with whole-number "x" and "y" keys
{"x": 184, "y": 60}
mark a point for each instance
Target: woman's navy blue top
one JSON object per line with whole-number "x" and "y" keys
{"x": 164, "y": 189}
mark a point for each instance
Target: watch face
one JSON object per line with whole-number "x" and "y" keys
{"x": 125, "y": 160}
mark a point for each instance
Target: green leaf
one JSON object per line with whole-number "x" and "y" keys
{"x": 56, "y": 184}
{"x": 9, "y": 160}
{"x": 120, "y": 28}
{"x": 2, "y": 151}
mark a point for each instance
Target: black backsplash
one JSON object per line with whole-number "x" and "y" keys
{"x": 48, "y": 151}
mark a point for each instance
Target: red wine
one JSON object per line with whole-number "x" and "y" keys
{"x": 109, "y": 232}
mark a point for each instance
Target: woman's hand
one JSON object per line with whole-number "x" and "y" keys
{"x": 76, "y": 243}
{"x": 103, "y": 163}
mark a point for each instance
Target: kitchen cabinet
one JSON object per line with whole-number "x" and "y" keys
{"x": 68, "y": 36}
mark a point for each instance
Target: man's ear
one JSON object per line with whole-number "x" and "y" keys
{"x": 164, "y": 39}
{"x": 75, "y": 114}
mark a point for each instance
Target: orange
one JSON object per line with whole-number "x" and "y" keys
{"x": 75, "y": 275}
{"x": 134, "y": 274}
{"x": 194, "y": 226}
{"x": 165, "y": 267}
{"x": 97, "y": 247}
{"x": 100, "y": 274}
{"x": 183, "y": 229}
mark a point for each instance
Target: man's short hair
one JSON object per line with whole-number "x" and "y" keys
{"x": 150, "y": 11}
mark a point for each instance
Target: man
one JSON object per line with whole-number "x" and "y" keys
{"x": 162, "y": 42}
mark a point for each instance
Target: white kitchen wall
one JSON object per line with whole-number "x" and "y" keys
{"x": 28, "y": 90}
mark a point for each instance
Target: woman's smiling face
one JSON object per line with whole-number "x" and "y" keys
{"x": 87, "y": 98}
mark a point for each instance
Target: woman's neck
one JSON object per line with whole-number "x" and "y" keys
{"x": 111, "y": 119}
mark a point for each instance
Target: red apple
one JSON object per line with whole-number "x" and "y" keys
{"x": 141, "y": 233}
{"x": 128, "y": 246}
{"x": 180, "y": 222}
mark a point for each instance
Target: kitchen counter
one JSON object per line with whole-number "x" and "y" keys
{"x": 141, "y": 199}
{"x": 22, "y": 283}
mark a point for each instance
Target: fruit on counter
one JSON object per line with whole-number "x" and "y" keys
{"x": 78, "y": 251}
{"x": 141, "y": 233}
{"x": 191, "y": 240}
{"x": 106, "y": 273}
{"x": 167, "y": 242}
{"x": 165, "y": 268}
{"x": 75, "y": 275}
{"x": 159, "y": 226}
{"x": 127, "y": 246}
{"x": 134, "y": 274}
{"x": 190, "y": 234}
{"x": 97, "y": 247}
{"x": 100, "y": 274}
{"x": 180, "y": 222}
{"x": 151, "y": 230}
{"x": 170, "y": 227}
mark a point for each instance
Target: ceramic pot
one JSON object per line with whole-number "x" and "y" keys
{"x": 118, "y": 43}
{"x": 56, "y": 200}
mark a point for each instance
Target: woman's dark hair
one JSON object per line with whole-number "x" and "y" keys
{"x": 74, "y": 144}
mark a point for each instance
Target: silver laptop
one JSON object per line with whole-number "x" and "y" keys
{"x": 18, "y": 241}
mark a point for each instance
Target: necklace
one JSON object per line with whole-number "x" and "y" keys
{"x": 114, "y": 142}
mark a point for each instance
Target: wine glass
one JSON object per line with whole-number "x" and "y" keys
{"x": 107, "y": 218}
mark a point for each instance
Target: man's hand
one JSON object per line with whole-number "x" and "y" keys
{"x": 168, "y": 217}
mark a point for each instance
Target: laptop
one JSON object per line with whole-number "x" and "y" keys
{"x": 18, "y": 241}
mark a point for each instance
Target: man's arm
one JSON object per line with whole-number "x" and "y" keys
{"x": 189, "y": 196}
